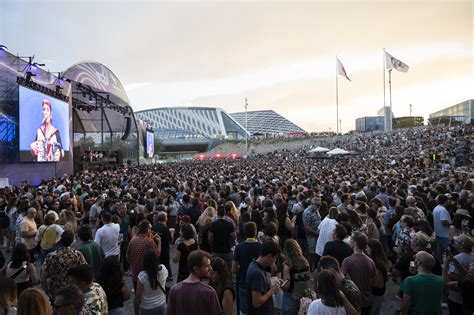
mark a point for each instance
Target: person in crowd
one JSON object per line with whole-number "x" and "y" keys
{"x": 442, "y": 221}
{"x": 161, "y": 228}
{"x": 286, "y": 225}
{"x": 92, "y": 251}
{"x": 259, "y": 289}
{"x": 95, "y": 211}
{"x": 296, "y": 276}
{"x": 200, "y": 298}
{"x": 11, "y": 211}
{"x": 108, "y": 235}
{"x": 116, "y": 289}
{"x": 221, "y": 280}
{"x": 423, "y": 292}
{"x": 144, "y": 241}
{"x": 183, "y": 250}
{"x": 68, "y": 301}
{"x": 244, "y": 254}
{"x": 221, "y": 237}
{"x": 95, "y": 300}
{"x": 33, "y": 302}
{"x": 28, "y": 230}
{"x": 8, "y": 296}
{"x": 337, "y": 248}
{"x": 465, "y": 285}
{"x": 361, "y": 270}
{"x": 204, "y": 223}
{"x": 326, "y": 231}
{"x": 20, "y": 269}
{"x": 345, "y": 284}
{"x": 55, "y": 266}
{"x": 125, "y": 233}
{"x": 48, "y": 235}
{"x": 463, "y": 244}
{"x": 311, "y": 221}
{"x": 150, "y": 298}
{"x": 402, "y": 243}
{"x": 376, "y": 252}
{"x": 330, "y": 300}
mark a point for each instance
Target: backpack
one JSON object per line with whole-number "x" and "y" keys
{"x": 300, "y": 284}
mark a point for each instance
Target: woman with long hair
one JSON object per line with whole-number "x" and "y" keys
{"x": 204, "y": 223}
{"x": 330, "y": 299}
{"x": 20, "y": 269}
{"x": 284, "y": 222}
{"x": 33, "y": 302}
{"x": 234, "y": 214}
{"x": 111, "y": 280}
{"x": 376, "y": 252}
{"x": 221, "y": 280}
{"x": 68, "y": 220}
{"x": 296, "y": 274}
{"x": 183, "y": 250}
{"x": 8, "y": 296}
{"x": 150, "y": 298}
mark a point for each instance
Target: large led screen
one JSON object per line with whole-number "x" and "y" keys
{"x": 150, "y": 144}
{"x": 44, "y": 127}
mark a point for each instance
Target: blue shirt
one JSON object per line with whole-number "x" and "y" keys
{"x": 441, "y": 214}
{"x": 257, "y": 281}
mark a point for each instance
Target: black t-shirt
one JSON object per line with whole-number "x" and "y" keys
{"x": 165, "y": 235}
{"x": 245, "y": 253}
{"x": 257, "y": 281}
{"x": 185, "y": 250}
{"x": 337, "y": 249}
{"x": 221, "y": 230}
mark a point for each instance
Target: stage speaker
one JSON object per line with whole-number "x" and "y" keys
{"x": 128, "y": 126}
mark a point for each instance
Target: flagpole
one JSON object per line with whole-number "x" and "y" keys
{"x": 384, "y": 97}
{"x": 390, "y": 93}
{"x": 337, "y": 102}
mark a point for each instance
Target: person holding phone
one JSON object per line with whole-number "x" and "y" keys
{"x": 47, "y": 145}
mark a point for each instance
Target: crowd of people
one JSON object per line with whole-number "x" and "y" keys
{"x": 271, "y": 234}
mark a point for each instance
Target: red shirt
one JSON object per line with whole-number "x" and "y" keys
{"x": 136, "y": 250}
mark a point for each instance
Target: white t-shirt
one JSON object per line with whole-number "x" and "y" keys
{"x": 318, "y": 308}
{"x": 326, "y": 228}
{"x": 107, "y": 237}
{"x": 153, "y": 298}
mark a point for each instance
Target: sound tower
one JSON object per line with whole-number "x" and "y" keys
{"x": 128, "y": 126}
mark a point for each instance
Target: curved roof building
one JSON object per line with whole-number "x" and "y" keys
{"x": 192, "y": 128}
{"x": 267, "y": 122}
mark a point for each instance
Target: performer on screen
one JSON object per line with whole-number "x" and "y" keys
{"x": 47, "y": 145}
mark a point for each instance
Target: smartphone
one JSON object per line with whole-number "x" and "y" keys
{"x": 284, "y": 283}
{"x": 412, "y": 264}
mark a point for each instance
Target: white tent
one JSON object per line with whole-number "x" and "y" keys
{"x": 338, "y": 151}
{"x": 318, "y": 150}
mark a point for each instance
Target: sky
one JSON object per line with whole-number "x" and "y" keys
{"x": 279, "y": 55}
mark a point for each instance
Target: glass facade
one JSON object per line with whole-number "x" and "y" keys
{"x": 371, "y": 123}
{"x": 464, "y": 109}
{"x": 267, "y": 122}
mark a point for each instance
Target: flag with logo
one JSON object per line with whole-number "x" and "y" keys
{"x": 393, "y": 63}
{"x": 341, "y": 70}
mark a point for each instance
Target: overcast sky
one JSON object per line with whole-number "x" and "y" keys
{"x": 280, "y": 55}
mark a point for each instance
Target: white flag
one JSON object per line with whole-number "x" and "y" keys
{"x": 393, "y": 63}
{"x": 341, "y": 70}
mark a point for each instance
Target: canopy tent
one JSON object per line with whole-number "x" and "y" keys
{"x": 319, "y": 150}
{"x": 338, "y": 151}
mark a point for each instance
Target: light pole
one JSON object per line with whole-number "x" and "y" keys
{"x": 246, "y": 131}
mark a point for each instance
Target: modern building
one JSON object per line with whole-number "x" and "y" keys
{"x": 192, "y": 128}
{"x": 462, "y": 112}
{"x": 267, "y": 122}
{"x": 370, "y": 123}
